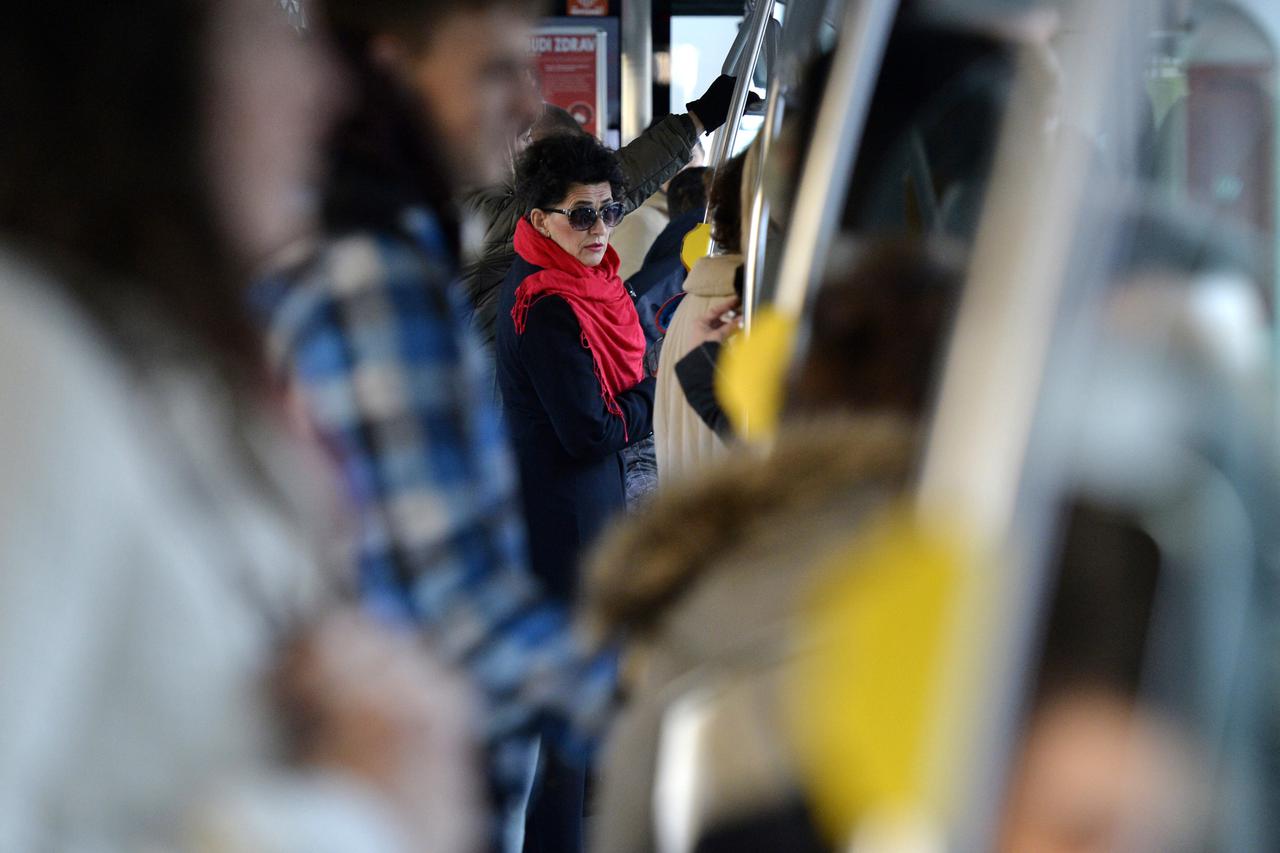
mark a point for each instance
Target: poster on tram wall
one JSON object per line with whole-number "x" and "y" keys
{"x": 587, "y": 7}
{"x": 571, "y": 70}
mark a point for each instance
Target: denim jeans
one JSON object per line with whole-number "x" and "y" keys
{"x": 640, "y": 464}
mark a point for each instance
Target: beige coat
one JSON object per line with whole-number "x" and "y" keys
{"x": 708, "y": 581}
{"x": 635, "y": 235}
{"x": 683, "y": 442}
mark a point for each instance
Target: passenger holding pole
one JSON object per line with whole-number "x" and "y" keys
{"x": 647, "y": 163}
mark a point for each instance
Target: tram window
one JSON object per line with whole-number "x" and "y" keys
{"x": 930, "y": 137}
{"x": 1212, "y": 85}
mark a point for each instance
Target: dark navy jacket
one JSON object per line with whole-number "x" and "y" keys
{"x": 663, "y": 273}
{"x": 567, "y": 443}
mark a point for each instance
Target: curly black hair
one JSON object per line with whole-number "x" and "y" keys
{"x": 548, "y": 167}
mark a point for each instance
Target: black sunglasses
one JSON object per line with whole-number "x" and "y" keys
{"x": 582, "y": 218}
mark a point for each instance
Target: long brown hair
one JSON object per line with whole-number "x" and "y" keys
{"x": 102, "y": 173}
{"x": 724, "y": 197}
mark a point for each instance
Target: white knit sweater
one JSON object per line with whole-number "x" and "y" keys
{"x": 683, "y": 442}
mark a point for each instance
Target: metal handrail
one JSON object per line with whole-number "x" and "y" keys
{"x": 799, "y": 41}
{"x": 760, "y": 15}
{"x": 758, "y": 213}
{"x": 772, "y": 47}
{"x": 829, "y": 164}
{"x": 733, "y": 58}
{"x": 994, "y": 378}
{"x": 637, "y": 68}
{"x": 297, "y": 13}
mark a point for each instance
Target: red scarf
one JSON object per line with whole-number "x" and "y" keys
{"x": 611, "y": 329}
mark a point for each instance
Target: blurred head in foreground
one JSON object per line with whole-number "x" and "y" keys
{"x": 879, "y": 327}
{"x": 1100, "y": 768}
{"x": 461, "y": 69}
{"x": 161, "y": 147}
{"x": 878, "y": 330}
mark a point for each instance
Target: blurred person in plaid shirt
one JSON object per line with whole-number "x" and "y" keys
{"x": 373, "y": 340}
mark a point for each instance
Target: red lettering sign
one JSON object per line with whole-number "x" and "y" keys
{"x": 571, "y": 72}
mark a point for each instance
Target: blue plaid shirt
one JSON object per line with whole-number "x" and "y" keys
{"x": 374, "y": 337}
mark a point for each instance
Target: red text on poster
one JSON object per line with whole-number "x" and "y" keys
{"x": 570, "y": 65}
{"x": 588, "y": 7}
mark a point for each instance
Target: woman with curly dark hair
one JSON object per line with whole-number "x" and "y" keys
{"x": 570, "y": 363}
{"x": 570, "y": 352}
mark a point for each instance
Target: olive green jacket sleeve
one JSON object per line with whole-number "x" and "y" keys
{"x": 648, "y": 162}
{"x": 654, "y": 157}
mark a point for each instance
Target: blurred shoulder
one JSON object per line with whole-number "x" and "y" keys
{"x": 68, "y": 398}
{"x": 46, "y": 342}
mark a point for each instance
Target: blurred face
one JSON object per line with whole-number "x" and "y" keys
{"x": 587, "y": 246}
{"x": 1098, "y": 776}
{"x": 474, "y": 79}
{"x": 271, "y": 96}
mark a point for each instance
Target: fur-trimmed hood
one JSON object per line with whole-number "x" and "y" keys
{"x": 816, "y": 482}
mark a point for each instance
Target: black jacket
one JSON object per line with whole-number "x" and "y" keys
{"x": 697, "y": 375}
{"x": 567, "y": 443}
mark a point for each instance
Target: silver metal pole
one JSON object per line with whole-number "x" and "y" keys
{"x": 296, "y": 12}
{"x": 772, "y": 48}
{"x": 981, "y": 458}
{"x": 728, "y": 135}
{"x": 799, "y": 41}
{"x": 758, "y": 215}
{"x": 637, "y": 68}
{"x": 733, "y": 58}
{"x": 829, "y": 165}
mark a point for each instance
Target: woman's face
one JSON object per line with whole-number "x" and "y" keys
{"x": 270, "y": 99}
{"x": 587, "y": 246}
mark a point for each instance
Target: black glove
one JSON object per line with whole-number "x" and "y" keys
{"x": 713, "y": 107}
